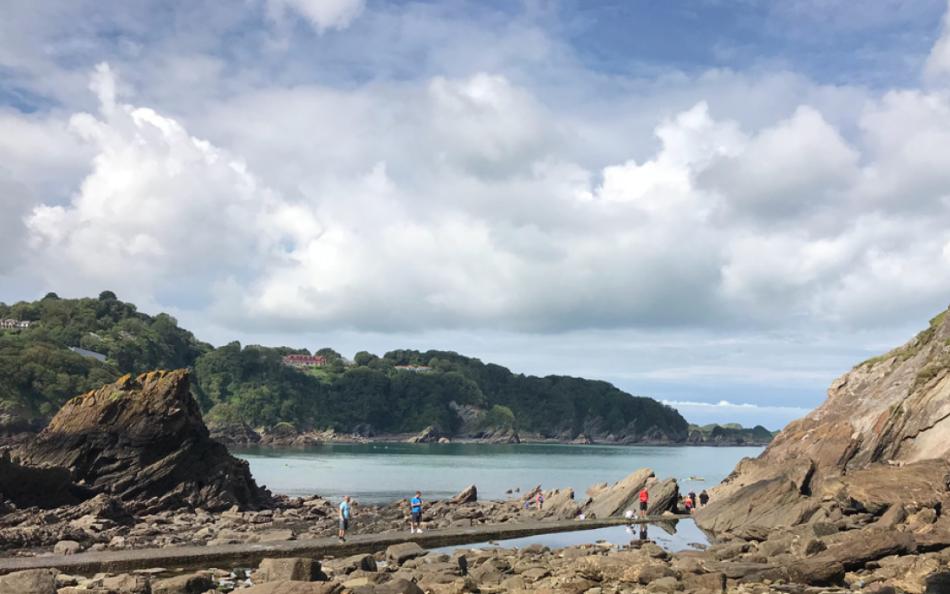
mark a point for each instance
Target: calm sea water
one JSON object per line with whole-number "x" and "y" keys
{"x": 384, "y": 472}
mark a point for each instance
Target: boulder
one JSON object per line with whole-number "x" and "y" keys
{"x": 288, "y": 587}
{"x": 467, "y": 495}
{"x": 621, "y": 496}
{"x": 347, "y": 565}
{"x": 298, "y": 569}
{"x": 67, "y": 547}
{"x": 757, "y": 508}
{"x": 30, "y": 581}
{"x": 560, "y": 504}
{"x": 127, "y": 584}
{"x": 663, "y": 496}
{"x": 402, "y": 552}
{"x": 398, "y": 586}
{"x": 195, "y": 583}
{"x": 705, "y": 583}
{"x": 143, "y": 441}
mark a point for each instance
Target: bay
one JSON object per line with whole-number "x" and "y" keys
{"x": 377, "y": 473}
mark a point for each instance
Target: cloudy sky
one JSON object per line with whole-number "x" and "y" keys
{"x": 722, "y": 204}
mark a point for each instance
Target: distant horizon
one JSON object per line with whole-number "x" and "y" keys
{"x": 719, "y": 205}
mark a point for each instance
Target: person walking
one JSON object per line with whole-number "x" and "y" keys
{"x": 539, "y": 500}
{"x": 415, "y": 513}
{"x": 344, "y": 517}
{"x": 644, "y": 502}
{"x": 703, "y": 498}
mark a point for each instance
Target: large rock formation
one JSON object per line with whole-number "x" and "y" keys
{"x": 892, "y": 408}
{"x": 143, "y": 441}
{"x": 881, "y": 439}
{"x": 614, "y": 500}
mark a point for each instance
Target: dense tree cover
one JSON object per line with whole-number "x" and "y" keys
{"x": 251, "y": 384}
{"x": 730, "y": 433}
{"x": 554, "y": 406}
{"x": 38, "y": 372}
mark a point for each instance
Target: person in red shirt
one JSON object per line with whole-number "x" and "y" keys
{"x": 688, "y": 504}
{"x": 644, "y": 502}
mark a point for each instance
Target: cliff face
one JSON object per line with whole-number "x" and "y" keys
{"x": 893, "y": 408}
{"x": 143, "y": 441}
{"x": 885, "y": 423}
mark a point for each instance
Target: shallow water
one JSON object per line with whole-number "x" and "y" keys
{"x": 672, "y": 536}
{"x": 384, "y": 472}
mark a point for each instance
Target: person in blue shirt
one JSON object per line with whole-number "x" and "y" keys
{"x": 415, "y": 511}
{"x": 344, "y": 517}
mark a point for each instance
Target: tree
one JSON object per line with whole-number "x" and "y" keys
{"x": 107, "y": 296}
{"x": 364, "y": 358}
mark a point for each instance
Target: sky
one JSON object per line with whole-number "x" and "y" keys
{"x": 720, "y": 204}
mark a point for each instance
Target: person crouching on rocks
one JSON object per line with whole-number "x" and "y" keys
{"x": 688, "y": 504}
{"x": 415, "y": 513}
{"x": 344, "y": 517}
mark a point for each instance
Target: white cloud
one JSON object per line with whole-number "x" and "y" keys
{"x": 747, "y": 414}
{"x": 321, "y": 14}
{"x": 159, "y": 208}
{"x": 733, "y": 405}
{"x": 788, "y": 169}
{"x": 937, "y": 67}
{"x": 455, "y": 203}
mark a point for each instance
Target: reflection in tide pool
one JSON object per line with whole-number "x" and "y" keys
{"x": 672, "y": 536}
{"x": 384, "y": 472}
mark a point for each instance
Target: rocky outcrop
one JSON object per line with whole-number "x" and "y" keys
{"x": 614, "y": 500}
{"x": 234, "y": 434}
{"x": 882, "y": 438}
{"x": 142, "y": 440}
{"x": 728, "y": 435}
{"x": 892, "y": 408}
{"x": 428, "y": 435}
{"x": 621, "y": 496}
{"x": 467, "y": 495}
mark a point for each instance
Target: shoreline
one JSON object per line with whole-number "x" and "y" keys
{"x": 305, "y": 440}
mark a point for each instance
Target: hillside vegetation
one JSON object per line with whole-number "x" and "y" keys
{"x": 251, "y": 384}
{"x": 729, "y": 433}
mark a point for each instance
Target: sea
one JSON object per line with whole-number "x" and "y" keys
{"x": 379, "y": 473}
